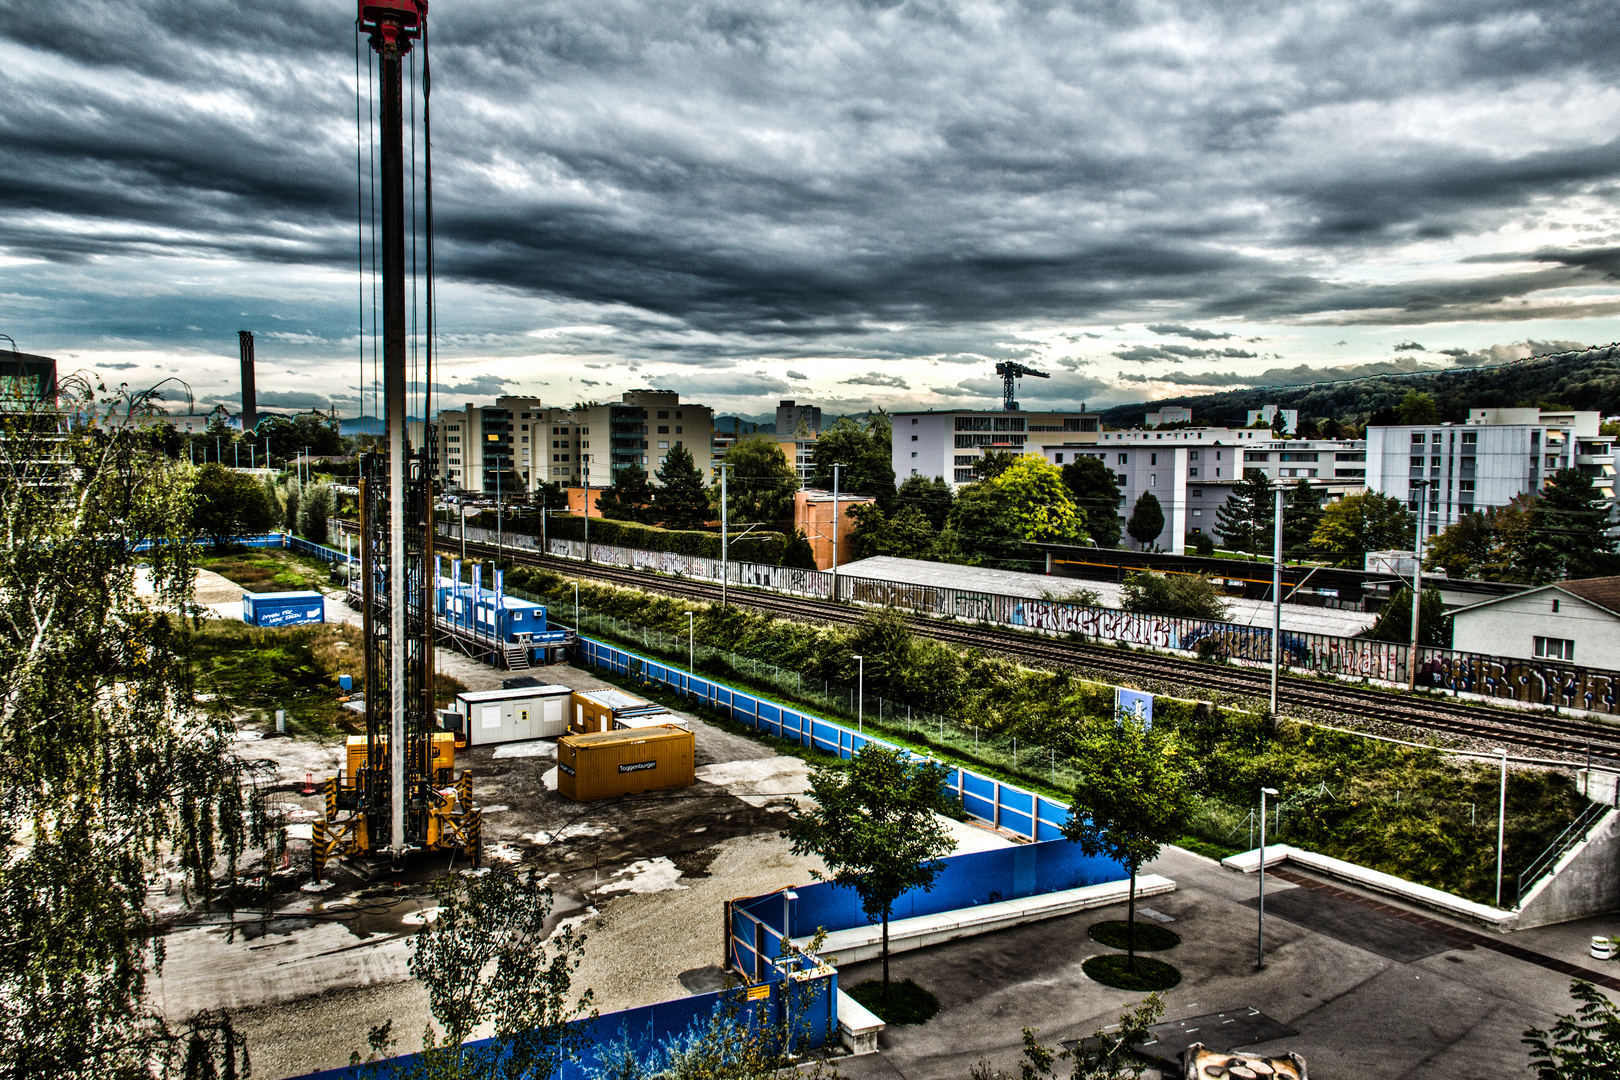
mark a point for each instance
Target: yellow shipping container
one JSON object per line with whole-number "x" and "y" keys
{"x": 605, "y": 764}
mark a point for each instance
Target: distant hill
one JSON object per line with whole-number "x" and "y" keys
{"x": 1587, "y": 379}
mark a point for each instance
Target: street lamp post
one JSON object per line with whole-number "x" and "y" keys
{"x": 860, "y": 693}
{"x": 691, "y": 642}
{"x": 1260, "y": 960}
{"x": 1501, "y": 825}
{"x": 1421, "y": 487}
{"x": 576, "y": 607}
{"x": 725, "y": 567}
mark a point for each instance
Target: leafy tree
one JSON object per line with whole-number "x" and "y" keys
{"x": 314, "y": 511}
{"x": 1567, "y": 529}
{"x": 1095, "y": 491}
{"x": 983, "y": 530}
{"x": 289, "y": 504}
{"x": 1109, "y": 1054}
{"x": 875, "y": 823}
{"x": 1134, "y": 796}
{"x": 907, "y": 535}
{"x": 1332, "y": 428}
{"x": 1247, "y": 520}
{"x": 113, "y": 771}
{"x": 550, "y": 496}
{"x": 1584, "y": 1045}
{"x": 1357, "y": 524}
{"x": 1302, "y": 513}
{"x": 1417, "y": 408}
{"x": 992, "y": 463}
{"x": 1039, "y": 502}
{"x": 798, "y": 553}
{"x": 1147, "y": 519}
{"x": 933, "y": 498}
{"x": 1395, "y": 622}
{"x": 227, "y": 505}
{"x": 1279, "y": 423}
{"x": 487, "y": 957}
{"x": 1463, "y": 548}
{"x": 762, "y": 482}
{"x": 865, "y": 454}
{"x": 682, "y": 502}
{"x": 884, "y": 640}
{"x": 629, "y": 498}
{"x": 1308, "y": 429}
{"x": 1202, "y": 544}
{"x": 1187, "y": 596}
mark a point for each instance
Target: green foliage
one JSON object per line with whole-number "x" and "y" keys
{"x": 314, "y": 511}
{"x": 289, "y": 505}
{"x": 762, "y": 482}
{"x": 875, "y": 824}
{"x": 1357, "y": 524}
{"x": 1147, "y": 519}
{"x": 798, "y": 553}
{"x": 629, "y": 498}
{"x": 992, "y": 463}
{"x": 1302, "y": 513}
{"x": 1134, "y": 796}
{"x": 1149, "y": 937}
{"x": 1038, "y": 503}
{"x": 228, "y": 504}
{"x": 1584, "y": 1045}
{"x": 112, "y": 771}
{"x": 1202, "y": 544}
{"x": 1131, "y": 973}
{"x": 1108, "y": 1054}
{"x": 984, "y": 530}
{"x": 1493, "y": 544}
{"x": 931, "y": 497}
{"x": 486, "y": 957}
{"x": 1395, "y": 622}
{"x": 682, "y": 502}
{"x": 864, "y": 453}
{"x": 907, "y": 535}
{"x": 1568, "y": 526}
{"x": 1188, "y": 596}
{"x": 1095, "y": 491}
{"x": 1416, "y": 407}
{"x": 1247, "y": 520}
{"x": 905, "y": 1002}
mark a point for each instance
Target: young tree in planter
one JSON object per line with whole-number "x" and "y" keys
{"x": 1134, "y": 796}
{"x": 875, "y": 824}
{"x": 1147, "y": 520}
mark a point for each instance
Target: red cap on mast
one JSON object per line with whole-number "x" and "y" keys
{"x": 394, "y": 23}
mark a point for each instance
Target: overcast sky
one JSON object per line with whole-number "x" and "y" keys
{"x": 852, "y": 204}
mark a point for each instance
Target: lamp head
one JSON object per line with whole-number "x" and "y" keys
{"x": 1268, "y": 791}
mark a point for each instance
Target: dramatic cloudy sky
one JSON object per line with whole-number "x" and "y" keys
{"x": 850, "y": 203}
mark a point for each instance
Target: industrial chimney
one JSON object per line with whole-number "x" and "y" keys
{"x": 250, "y": 403}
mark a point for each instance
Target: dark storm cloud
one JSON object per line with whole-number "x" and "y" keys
{"x": 292, "y": 399}
{"x": 729, "y": 179}
{"x": 1178, "y": 353}
{"x": 874, "y": 378}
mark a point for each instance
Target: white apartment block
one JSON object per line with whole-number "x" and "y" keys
{"x": 1497, "y": 455}
{"x": 1173, "y": 414}
{"x": 949, "y": 444}
{"x": 519, "y": 443}
{"x": 1266, "y": 415}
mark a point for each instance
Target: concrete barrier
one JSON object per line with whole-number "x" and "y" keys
{"x": 866, "y": 942}
{"x": 858, "y": 1027}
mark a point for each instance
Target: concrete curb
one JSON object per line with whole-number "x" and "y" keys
{"x": 866, "y": 942}
{"x": 1248, "y": 862}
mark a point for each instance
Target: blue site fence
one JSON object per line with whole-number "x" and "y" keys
{"x": 1006, "y": 806}
{"x": 798, "y": 999}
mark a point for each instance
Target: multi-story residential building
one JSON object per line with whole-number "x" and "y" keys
{"x": 1173, "y": 414}
{"x": 530, "y": 443}
{"x": 1267, "y": 415}
{"x": 1190, "y": 471}
{"x": 791, "y": 415}
{"x": 949, "y": 444}
{"x": 800, "y": 453}
{"x": 1497, "y": 455}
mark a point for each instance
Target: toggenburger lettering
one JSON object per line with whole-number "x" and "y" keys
{"x": 638, "y": 766}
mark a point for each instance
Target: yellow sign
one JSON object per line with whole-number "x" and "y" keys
{"x": 759, "y": 993}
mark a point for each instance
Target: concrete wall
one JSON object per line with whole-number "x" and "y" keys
{"x": 1585, "y": 882}
{"x": 1509, "y": 628}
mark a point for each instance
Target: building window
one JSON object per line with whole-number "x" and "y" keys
{"x": 1198, "y": 493}
{"x": 1417, "y": 437}
{"x": 1192, "y": 472}
{"x": 1124, "y": 459}
{"x": 1553, "y": 648}
{"x": 1192, "y": 455}
{"x": 1057, "y": 459}
{"x": 1153, "y": 459}
{"x": 914, "y": 453}
{"x": 913, "y": 419}
{"x": 663, "y": 429}
{"x": 1197, "y": 513}
{"x": 1555, "y": 607}
{"x": 1153, "y": 479}
{"x": 663, "y": 414}
{"x": 1470, "y": 438}
{"x": 914, "y": 438}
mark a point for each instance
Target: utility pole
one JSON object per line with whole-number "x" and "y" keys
{"x": 725, "y": 567}
{"x": 1276, "y": 598}
{"x": 1260, "y": 960}
{"x": 834, "y": 595}
{"x": 585, "y": 469}
{"x": 1501, "y": 825}
{"x": 1417, "y": 583}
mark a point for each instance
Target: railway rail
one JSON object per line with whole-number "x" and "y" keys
{"x": 1541, "y": 731}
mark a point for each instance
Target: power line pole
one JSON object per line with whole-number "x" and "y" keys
{"x": 1417, "y": 585}
{"x": 1276, "y": 597}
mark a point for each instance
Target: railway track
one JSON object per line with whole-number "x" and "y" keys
{"x": 1535, "y": 730}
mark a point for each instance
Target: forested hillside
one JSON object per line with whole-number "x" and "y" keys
{"x": 1588, "y": 379}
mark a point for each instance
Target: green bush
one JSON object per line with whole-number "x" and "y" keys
{"x": 1187, "y": 596}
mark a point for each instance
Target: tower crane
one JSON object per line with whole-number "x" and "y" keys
{"x": 400, "y": 791}
{"x": 1011, "y": 370}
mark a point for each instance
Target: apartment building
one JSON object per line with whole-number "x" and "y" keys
{"x": 793, "y": 419}
{"x": 1495, "y": 456}
{"x": 949, "y": 444}
{"x": 518, "y": 443}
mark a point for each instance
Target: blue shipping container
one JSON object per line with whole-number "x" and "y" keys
{"x": 283, "y": 608}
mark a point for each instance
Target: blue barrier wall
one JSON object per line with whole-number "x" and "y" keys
{"x": 1006, "y": 806}
{"x": 645, "y": 1028}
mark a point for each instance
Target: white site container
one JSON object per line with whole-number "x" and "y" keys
{"x": 502, "y": 716}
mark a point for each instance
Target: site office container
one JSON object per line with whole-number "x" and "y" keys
{"x": 500, "y": 716}
{"x": 283, "y": 608}
{"x": 638, "y": 722}
{"x": 605, "y": 764}
{"x": 597, "y": 710}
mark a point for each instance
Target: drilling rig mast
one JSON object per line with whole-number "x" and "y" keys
{"x": 401, "y": 792}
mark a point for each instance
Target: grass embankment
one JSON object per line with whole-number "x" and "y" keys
{"x": 262, "y": 570}
{"x": 1409, "y": 811}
